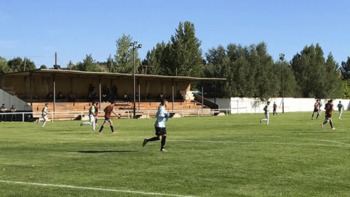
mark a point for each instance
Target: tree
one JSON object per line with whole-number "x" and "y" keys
{"x": 43, "y": 66}
{"x": 20, "y": 65}
{"x": 185, "y": 53}
{"x": 287, "y": 84}
{"x": 216, "y": 66}
{"x": 3, "y": 65}
{"x": 333, "y": 84}
{"x": 88, "y": 64}
{"x": 124, "y": 55}
{"x": 345, "y": 69}
{"x": 111, "y": 65}
{"x": 315, "y": 76}
{"x": 71, "y": 66}
{"x": 180, "y": 56}
{"x": 158, "y": 58}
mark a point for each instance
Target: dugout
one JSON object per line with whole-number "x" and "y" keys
{"x": 58, "y": 87}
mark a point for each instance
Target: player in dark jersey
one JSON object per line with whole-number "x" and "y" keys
{"x": 328, "y": 114}
{"x": 317, "y": 109}
{"x": 108, "y": 113}
{"x": 274, "y": 107}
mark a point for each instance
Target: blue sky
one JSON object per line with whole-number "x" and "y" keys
{"x": 74, "y": 28}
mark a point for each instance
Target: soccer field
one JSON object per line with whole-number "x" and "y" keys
{"x": 207, "y": 156}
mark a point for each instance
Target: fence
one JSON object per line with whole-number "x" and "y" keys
{"x": 255, "y": 105}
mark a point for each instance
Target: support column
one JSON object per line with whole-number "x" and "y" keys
{"x": 31, "y": 88}
{"x": 202, "y": 97}
{"x": 99, "y": 92}
{"x": 172, "y": 95}
{"x": 54, "y": 95}
{"x": 139, "y": 94}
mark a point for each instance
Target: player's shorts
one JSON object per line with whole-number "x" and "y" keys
{"x": 160, "y": 130}
{"x": 91, "y": 118}
{"x": 315, "y": 110}
{"x": 328, "y": 116}
{"x": 267, "y": 115}
{"x": 44, "y": 117}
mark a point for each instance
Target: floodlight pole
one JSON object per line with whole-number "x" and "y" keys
{"x": 282, "y": 84}
{"x": 134, "y": 46}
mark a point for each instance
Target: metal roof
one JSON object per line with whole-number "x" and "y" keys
{"x": 108, "y": 74}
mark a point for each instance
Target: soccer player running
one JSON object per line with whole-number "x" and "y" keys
{"x": 92, "y": 116}
{"x": 328, "y": 114}
{"x": 44, "y": 115}
{"x": 340, "y": 109}
{"x": 108, "y": 112}
{"x": 160, "y": 130}
{"x": 266, "y": 113}
{"x": 317, "y": 109}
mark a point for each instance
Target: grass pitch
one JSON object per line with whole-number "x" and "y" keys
{"x": 207, "y": 156}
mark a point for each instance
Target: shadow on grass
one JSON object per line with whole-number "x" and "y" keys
{"x": 106, "y": 151}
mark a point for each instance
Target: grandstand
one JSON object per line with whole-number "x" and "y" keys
{"x": 69, "y": 93}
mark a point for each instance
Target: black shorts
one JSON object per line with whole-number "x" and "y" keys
{"x": 160, "y": 130}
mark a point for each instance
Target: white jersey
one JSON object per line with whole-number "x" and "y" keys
{"x": 92, "y": 110}
{"x": 45, "y": 111}
{"x": 162, "y": 116}
{"x": 266, "y": 109}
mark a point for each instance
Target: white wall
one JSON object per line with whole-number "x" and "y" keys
{"x": 253, "y": 105}
{"x": 9, "y": 100}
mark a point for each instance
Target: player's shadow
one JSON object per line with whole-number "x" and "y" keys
{"x": 106, "y": 151}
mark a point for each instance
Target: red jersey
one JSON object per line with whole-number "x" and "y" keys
{"x": 329, "y": 109}
{"x": 108, "y": 111}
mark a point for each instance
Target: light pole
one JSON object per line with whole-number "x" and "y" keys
{"x": 134, "y": 45}
{"x": 282, "y": 84}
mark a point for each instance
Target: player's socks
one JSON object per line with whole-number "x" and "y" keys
{"x": 163, "y": 142}
{"x": 331, "y": 123}
{"x": 144, "y": 142}
{"x": 112, "y": 129}
{"x": 101, "y": 128}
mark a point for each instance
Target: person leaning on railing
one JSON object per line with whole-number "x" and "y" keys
{"x": 2, "y": 110}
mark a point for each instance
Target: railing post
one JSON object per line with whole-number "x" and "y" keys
{"x": 23, "y": 117}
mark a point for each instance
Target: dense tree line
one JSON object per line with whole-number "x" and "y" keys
{"x": 16, "y": 65}
{"x": 250, "y": 70}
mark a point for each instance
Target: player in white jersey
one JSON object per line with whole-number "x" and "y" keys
{"x": 44, "y": 115}
{"x": 160, "y": 129}
{"x": 92, "y": 116}
{"x": 340, "y": 109}
{"x": 266, "y": 113}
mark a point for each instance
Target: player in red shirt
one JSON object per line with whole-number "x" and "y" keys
{"x": 108, "y": 113}
{"x": 328, "y": 114}
{"x": 317, "y": 109}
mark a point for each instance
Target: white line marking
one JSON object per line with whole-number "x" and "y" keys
{"x": 92, "y": 188}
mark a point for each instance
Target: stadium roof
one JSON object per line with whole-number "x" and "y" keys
{"x": 107, "y": 74}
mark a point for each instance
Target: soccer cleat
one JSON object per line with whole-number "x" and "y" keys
{"x": 144, "y": 142}
{"x": 163, "y": 150}
{"x": 333, "y": 128}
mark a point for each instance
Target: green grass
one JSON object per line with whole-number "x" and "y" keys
{"x": 207, "y": 156}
